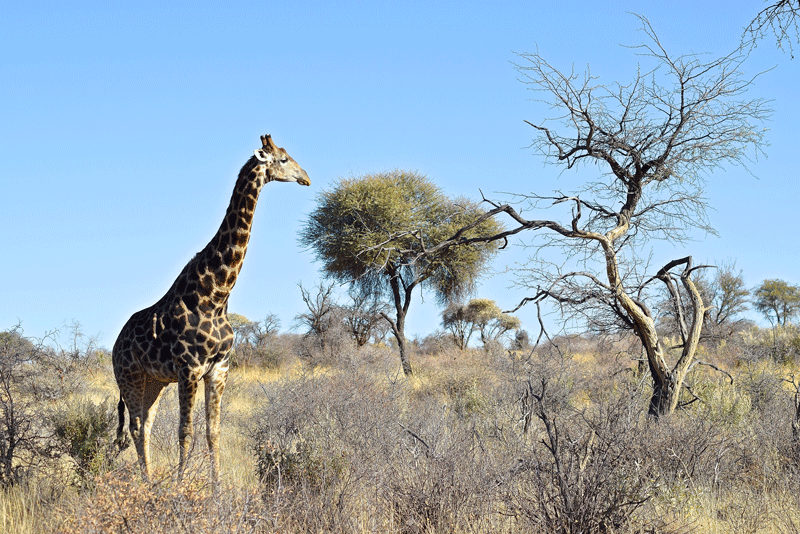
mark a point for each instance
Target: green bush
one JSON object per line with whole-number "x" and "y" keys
{"x": 723, "y": 403}
{"x": 298, "y": 463}
{"x": 85, "y": 433}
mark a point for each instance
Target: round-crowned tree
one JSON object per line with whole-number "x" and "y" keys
{"x": 375, "y": 232}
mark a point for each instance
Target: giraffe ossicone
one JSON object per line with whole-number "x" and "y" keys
{"x": 185, "y": 337}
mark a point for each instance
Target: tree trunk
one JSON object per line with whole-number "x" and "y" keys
{"x": 398, "y": 329}
{"x": 667, "y": 384}
{"x": 399, "y": 335}
{"x": 404, "y": 361}
{"x": 665, "y": 390}
{"x": 401, "y": 303}
{"x": 664, "y": 398}
{"x": 796, "y": 418}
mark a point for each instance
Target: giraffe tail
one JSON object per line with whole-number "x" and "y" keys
{"x": 122, "y": 440}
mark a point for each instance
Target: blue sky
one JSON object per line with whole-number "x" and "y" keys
{"x": 122, "y": 128}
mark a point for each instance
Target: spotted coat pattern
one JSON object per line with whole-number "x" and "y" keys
{"x": 185, "y": 337}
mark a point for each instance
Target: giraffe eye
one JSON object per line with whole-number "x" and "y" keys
{"x": 284, "y": 161}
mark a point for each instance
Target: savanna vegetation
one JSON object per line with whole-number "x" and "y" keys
{"x": 554, "y": 438}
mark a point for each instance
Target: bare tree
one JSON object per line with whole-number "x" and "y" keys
{"x": 780, "y": 19}
{"x": 729, "y": 297}
{"x": 322, "y": 341}
{"x": 653, "y": 140}
{"x": 363, "y": 317}
{"x": 319, "y": 317}
{"x": 252, "y": 338}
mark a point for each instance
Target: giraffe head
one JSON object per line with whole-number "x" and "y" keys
{"x": 278, "y": 165}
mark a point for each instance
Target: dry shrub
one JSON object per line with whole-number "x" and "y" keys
{"x": 439, "y": 477}
{"x": 318, "y": 442}
{"x": 298, "y": 464}
{"x": 349, "y": 451}
{"x": 34, "y": 375}
{"x": 688, "y": 451}
{"x": 438, "y": 344}
{"x": 357, "y": 447}
{"x": 743, "y": 511}
{"x": 333, "y": 347}
{"x": 781, "y": 343}
{"x": 464, "y": 390}
{"x": 272, "y": 353}
{"x": 121, "y": 502}
{"x": 585, "y": 470}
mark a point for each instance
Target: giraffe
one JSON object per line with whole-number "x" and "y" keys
{"x": 185, "y": 337}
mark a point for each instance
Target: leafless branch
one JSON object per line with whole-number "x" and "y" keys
{"x": 708, "y": 364}
{"x": 779, "y": 18}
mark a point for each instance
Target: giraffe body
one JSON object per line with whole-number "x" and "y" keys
{"x": 185, "y": 337}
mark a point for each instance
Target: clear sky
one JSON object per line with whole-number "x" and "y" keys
{"x": 123, "y": 126}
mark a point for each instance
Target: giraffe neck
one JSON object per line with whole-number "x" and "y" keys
{"x": 207, "y": 280}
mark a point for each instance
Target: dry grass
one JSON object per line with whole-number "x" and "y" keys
{"x": 354, "y": 446}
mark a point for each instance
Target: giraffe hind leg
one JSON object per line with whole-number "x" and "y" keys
{"x": 142, "y": 410}
{"x": 123, "y": 440}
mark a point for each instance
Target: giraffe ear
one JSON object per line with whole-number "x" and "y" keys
{"x": 263, "y": 155}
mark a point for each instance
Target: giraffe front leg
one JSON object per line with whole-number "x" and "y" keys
{"x": 214, "y": 386}
{"x": 187, "y": 388}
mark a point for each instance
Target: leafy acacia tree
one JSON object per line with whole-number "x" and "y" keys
{"x": 371, "y": 231}
{"x": 778, "y": 300}
{"x": 457, "y": 320}
{"x": 481, "y": 315}
{"x": 490, "y": 321}
{"x": 647, "y": 146}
